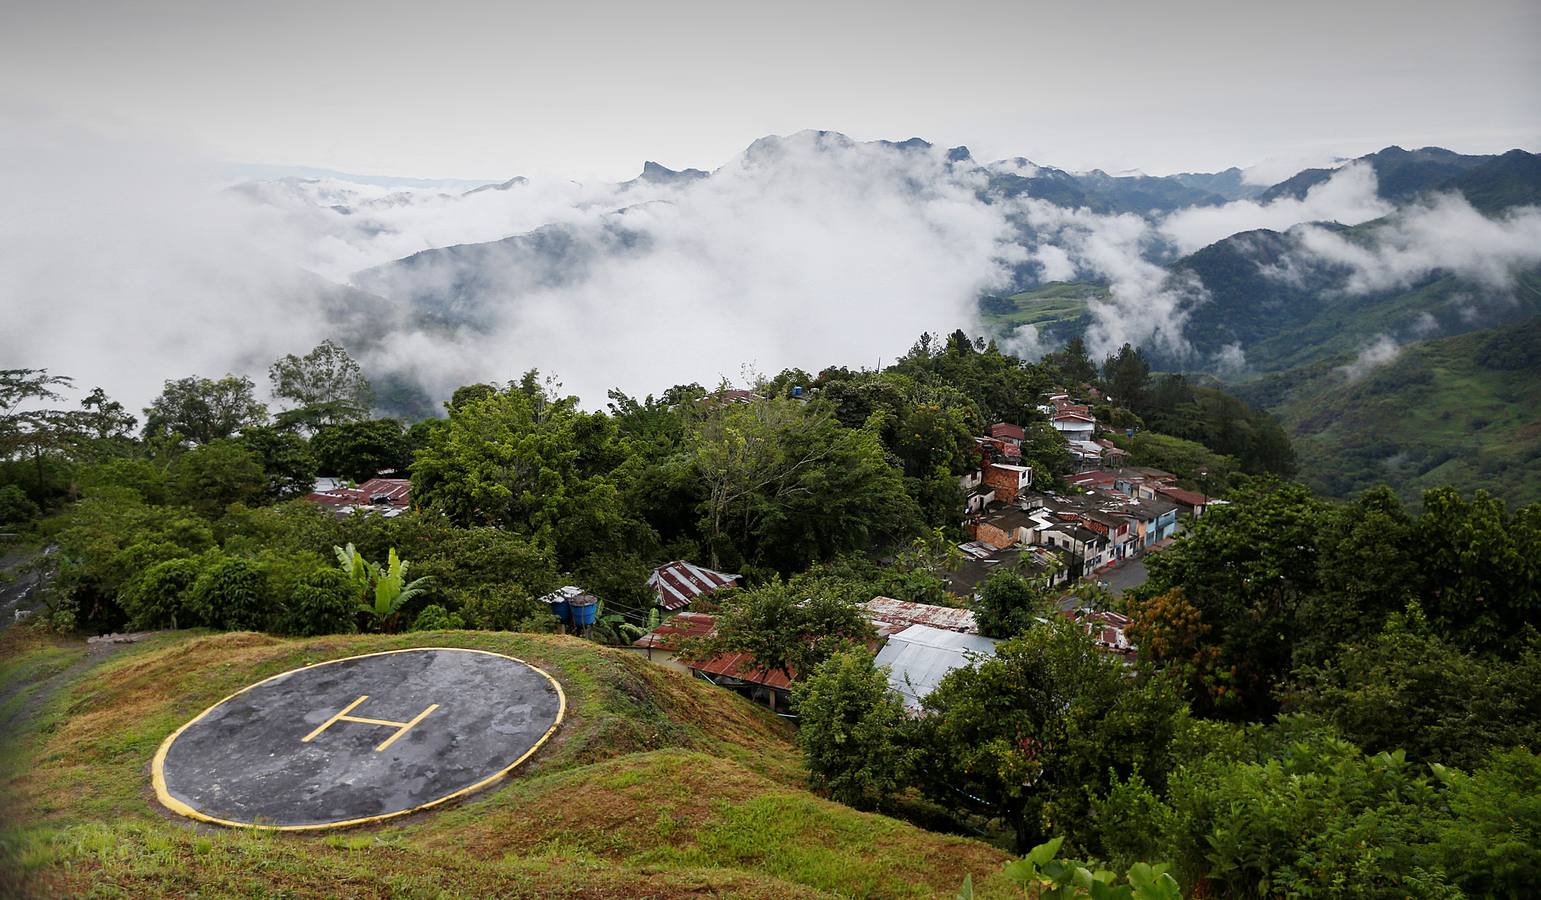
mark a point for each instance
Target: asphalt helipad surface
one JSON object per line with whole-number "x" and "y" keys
{"x": 358, "y": 739}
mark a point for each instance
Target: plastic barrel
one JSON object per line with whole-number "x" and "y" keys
{"x": 584, "y": 615}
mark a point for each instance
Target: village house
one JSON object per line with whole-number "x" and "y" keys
{"x": 1005, "y": 431}
{"x": 662, "y": 645}
{"x": 920, "y": 656}
{"x": 388, "y": 497}
{"x": 1008, "y": 481}
{"x": 981, "y": 560}
{"x": 1106, "y": 628}
{"x": 1074, "y": 425}
{"x": 668, "y": 644}
{"x": 679, "y": 582}
{"x": 1190, "y": 504}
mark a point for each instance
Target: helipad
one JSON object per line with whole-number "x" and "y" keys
{"x": 358, "y": 739}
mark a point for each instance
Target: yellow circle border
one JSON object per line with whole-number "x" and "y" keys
{"x": 158, "y": 765}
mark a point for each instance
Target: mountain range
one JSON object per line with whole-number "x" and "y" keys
{"x": 1282, "y": 290}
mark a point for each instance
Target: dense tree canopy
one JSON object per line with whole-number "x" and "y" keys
{"x": 325, "y": 386}
{"x": 200, "y": 410}
{"x": 1035, "y": 727}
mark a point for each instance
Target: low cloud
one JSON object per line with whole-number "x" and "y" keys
{"x": 1348, "y": 197}
{"x": 1145, "y": 306}
{"x": 125, "y": 265}
{"x": 1384, "y": 349}
{"x": 128, "y": 264}
{"x": 1442, "y": 234}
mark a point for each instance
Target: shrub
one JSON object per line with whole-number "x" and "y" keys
{"x": 161, "y": 596}
{"x": 16, "y": 508}
{"x": 325, "y": 601}
{"x": 503, "y": 607}
{"x": 435, "y": 618}
{"x": 234, "y": 595}
{"x": 852, "y": 730}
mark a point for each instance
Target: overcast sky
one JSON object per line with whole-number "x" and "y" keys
{"x": 467, "y": 89}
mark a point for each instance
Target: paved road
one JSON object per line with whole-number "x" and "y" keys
{"x": 1131, "y": 574}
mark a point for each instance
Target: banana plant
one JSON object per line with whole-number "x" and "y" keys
{"x": 382, "y": 592}
{"x": 359, "y": 570}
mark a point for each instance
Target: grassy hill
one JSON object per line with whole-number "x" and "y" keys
{"x": 1058, "y": 309}
{"x": 658, "y": 785}
{"x": 1463, "y": 410}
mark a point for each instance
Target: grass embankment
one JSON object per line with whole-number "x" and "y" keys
{"x": 656, "y": 785}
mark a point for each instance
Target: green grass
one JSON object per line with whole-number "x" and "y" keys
{"x": 656, "y": 785}
{"x": 1059, "y": 309}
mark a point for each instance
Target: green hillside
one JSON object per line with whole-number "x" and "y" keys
{"x": 1464, "y": 411}
{"x": 658, "y": 785}
{"x": 1058, "y": 309}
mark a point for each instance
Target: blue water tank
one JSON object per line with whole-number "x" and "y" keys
{"x": 797, "y": 391}
{"x": 583, "y": 608}
{"x": 563, "y": 610}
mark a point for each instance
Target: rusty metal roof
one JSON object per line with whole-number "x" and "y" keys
{"x": 675, "y": 630}
{"x": 903, "y": 612}
{"x": 679, "y": 582}
{"x": 741, "y": 666}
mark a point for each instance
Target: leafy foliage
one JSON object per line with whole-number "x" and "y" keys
{"x": 1009, "y": 604}
{"x": 325, "y": 385}
{"x": 200, "y": 410}
{"x": 853, "y": 731}
{"x": 1032, "y": 729}
{"x": 791, "y": 627}
{"x": 358, "y": 451}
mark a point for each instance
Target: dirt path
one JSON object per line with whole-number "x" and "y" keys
{"x": 98, "y": 651}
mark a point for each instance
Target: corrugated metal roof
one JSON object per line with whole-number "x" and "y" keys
{"x": 675, "y": 629}
{"x": 679, "y": 582}
{"x": 903, "y": 612}
{"x": 920, "y": 656}
{"x": 738, "y": 665}
{"x": 376, "y": 492}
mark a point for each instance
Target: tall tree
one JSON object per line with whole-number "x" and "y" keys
{"x": 1035, "y": 729}
{"x": 853, "y": 731}
{"x": 200, "y": 410}
{"x": 359, "y": 451}
{"x": 526, "y": 460}
{"x": 27, "y": 430}
{"x": 1126, "y": 374}
{"x": 1246, "y": 571}
{"x": 325, "y": 386}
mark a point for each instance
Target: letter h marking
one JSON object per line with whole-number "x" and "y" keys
{"x": 342, "y": 716}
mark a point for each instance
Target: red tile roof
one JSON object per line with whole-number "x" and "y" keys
{"x": 1187, "y": 498}
{"x": 1007, "y": 431}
